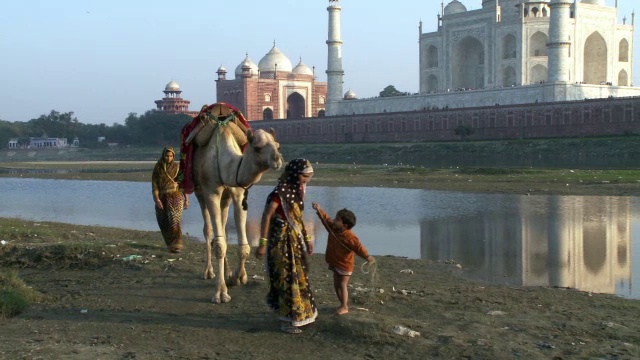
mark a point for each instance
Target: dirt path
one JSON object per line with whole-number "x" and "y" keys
{"x": 98, "y": 306}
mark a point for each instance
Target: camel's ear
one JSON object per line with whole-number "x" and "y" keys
{"x": 272, "y": 131}
{"x": 250, "y": 135}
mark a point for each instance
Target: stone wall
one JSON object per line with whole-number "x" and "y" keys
{"x": 596, "y": 117}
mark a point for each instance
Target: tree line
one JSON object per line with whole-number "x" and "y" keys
{"x": 153, "y": 128}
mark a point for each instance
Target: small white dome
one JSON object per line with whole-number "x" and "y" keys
{"x": 350, "y": 95}
{"x": 275, "y": 59}
{"x": 594, "y": 2}
{"x": 172, "y": 86}
{"x": 454, "y": 7}
{"x": 302, "y": 69}
{"x": 247, "y": 63}
{"x": 221, "y": 69}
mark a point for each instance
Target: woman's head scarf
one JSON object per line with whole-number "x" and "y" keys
{"x": 169, "y": 169}
{"x": 164, "y": 152}
{"x": 289, "y": 187}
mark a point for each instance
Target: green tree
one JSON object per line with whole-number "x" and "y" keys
{"x": 9, "y": 130}
{"x": 390, "y": 91}
{"x": 155, "y": 128}
{"x": 464, "y": 131}
{"x": 55, "y": 124}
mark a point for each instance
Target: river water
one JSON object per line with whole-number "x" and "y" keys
{"x": 590, "y": 243}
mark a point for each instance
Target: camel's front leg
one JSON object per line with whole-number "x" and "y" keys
{"x": 244, "y": 250}
{"x": 221, "y": 295}
{"x": 220, "y": 248}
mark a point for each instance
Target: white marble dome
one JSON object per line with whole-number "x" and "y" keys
{"x": 594, "y": 2}
{"x": 302, "y": 69}
{"x": 454, "y": 7}
{"x": 350, "y": 95}
{"x": 490, "y": 3}
{"x": 221, "y": 69}
{"x": 275, "y": 59}
{"x": 247, "y": 63}
{"x": 172, "y": 86}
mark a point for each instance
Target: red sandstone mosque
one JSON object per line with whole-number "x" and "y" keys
{"x": 272, "y": 89}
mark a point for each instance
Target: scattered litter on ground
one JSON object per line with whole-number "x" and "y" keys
{"x": 496, "y": 313}
{"x": 406, "y": 271}
{"x": 401, "y": 330}
{"x": 131, "y": 257}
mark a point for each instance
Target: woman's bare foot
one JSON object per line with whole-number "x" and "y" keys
{"x": 341, "y": 310}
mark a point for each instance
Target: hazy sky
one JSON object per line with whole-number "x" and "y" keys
{"x": 105, "y": 59}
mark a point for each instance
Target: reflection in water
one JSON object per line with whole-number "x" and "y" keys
{"x": 568, "y": 241}
{"x": 564, "y": 241}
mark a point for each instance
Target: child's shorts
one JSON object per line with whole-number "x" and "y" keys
{"x": 339, "y": 271}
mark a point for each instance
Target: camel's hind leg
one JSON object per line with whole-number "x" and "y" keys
{"x": 207, "y": 231}
{"x": 244, "y": 250}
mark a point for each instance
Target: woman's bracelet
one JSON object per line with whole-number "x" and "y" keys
{"x": 263, "y": 242}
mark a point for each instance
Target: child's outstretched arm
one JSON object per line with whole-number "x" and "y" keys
{"x": 325, "y": 219}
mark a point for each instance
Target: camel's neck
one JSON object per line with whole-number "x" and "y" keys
{"x": 249, "y": 171}
{"x": 236, "y": 168}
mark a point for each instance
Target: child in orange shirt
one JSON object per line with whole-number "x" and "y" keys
{"x": 342, "y": 243}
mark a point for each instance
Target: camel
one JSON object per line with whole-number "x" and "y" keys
{"x": 223, "y": 173}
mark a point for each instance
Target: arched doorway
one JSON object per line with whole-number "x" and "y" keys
{"x": 509, "y": 76}
{"x": 432, "y": 83}
{"x": 432, "y": 56}
{"x": 623, "y": 51}
{"x": 595, "y": 59}
{"x": 538, "y": 74}
{"x": 468, "y": 64}
{"x": 267, "y": 114}
{"x": 509, "y": 47}
{"x": 538, "y": 44}
{"x": 623, "y": 78}
{"x": 295, "y": 106}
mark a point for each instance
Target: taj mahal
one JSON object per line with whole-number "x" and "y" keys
{"x": 512, "y": 69}
{"x": 508, "y": 52}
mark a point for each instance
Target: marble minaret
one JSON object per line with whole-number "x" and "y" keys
{"x": 559, "y": 42}
{"x": 334, "y": 62}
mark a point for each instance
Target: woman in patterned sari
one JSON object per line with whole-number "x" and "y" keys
{"x": 168, "y": 197}
{"x": 287, "y": 245}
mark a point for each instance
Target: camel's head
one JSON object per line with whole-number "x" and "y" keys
{"x": 266, "y": 148}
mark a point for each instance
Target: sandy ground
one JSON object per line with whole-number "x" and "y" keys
{"x": 98, "y": 305}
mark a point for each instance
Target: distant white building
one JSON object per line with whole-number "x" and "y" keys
{"x": 13, "y": 143}
{"x": 47, "y": 142}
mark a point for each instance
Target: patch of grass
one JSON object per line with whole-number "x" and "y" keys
{"x": 15, "y": 295}
{"x": 490, "y": 171}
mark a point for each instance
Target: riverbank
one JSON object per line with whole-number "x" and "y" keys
{"x": 495, "y": 180}
{"x": 117, "y": 294}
